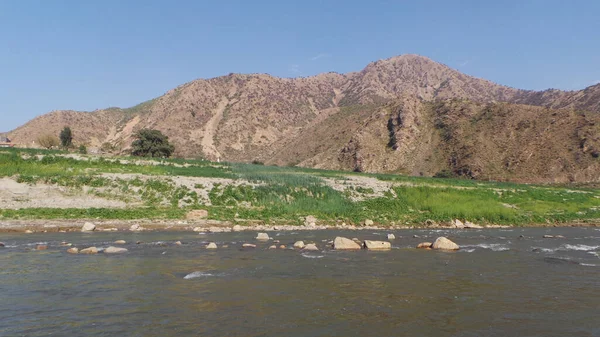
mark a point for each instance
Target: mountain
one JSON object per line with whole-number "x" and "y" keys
{"x": 407, "y": 114}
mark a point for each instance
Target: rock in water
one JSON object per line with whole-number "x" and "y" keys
{"x": 197, "y": 214}
{"x": 299, "y": 244}
{"x": 120, "y": 242}
{"x": 391, "y": 236}
{"x": 282, "y": 247}
{"x": 88, "y": 227}
{"x": 310, "y": 221}
{"x": 248, "y": 245}
{"x": 236, "y": 228}
{"x": 135, "y": 227}
{"x": 73, "y": 250}
{"x": 377, "y": 244}
{"x": 211, "y": 245}
{"x": 89, "y": 250}
{"x": 273, "y": 247}
{"x": 424, "y": 245}
{"x": 2, "y": 244}
{"x": 263, "y": 237}
{"x": 41, "y": 247}
{"x": 311, "y": 247}
{"x": 115, "y": 250}
{"x": 458, "y": 224}
{"x": 341, "y": 243}
{"x": 444, "y": 243}
{"x": 178, "y": 243}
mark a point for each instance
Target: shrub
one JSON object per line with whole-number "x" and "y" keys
{"x": 151, "y": 143}
{"x": 445, "y": 173}
{"x": 82, "y": 149}
{"x": 48, "y": 141}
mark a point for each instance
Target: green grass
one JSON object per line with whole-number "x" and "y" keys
{"x": 286, "y": 194}
{"x": 93, "y": 213}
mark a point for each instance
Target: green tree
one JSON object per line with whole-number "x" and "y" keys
{"x": 151, "y": 143}
{"x": 66, "y": 137}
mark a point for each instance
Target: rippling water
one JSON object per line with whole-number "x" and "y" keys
{"x": 502, "y": 283}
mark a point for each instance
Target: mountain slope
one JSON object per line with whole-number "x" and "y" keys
{"x": 379, "y": 119}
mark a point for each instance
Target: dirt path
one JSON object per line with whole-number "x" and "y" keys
{"x": 208, "y": 139}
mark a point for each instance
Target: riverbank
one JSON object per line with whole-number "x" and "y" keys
{"x": 59, "y": 188}
{"x": 216, "y": 226}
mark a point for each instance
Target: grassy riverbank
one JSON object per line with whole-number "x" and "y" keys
{"x": 169, "y": 189}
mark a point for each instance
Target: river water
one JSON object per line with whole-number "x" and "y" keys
{"x": 501, "y": 283}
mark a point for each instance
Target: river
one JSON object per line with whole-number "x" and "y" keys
{"x": 503, "y": 282}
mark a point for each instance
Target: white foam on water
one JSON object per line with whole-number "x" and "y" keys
{"x": 589, "y": 264}
{"x": 545, "y": 250}
{"x": 578, "y": 247}
{"x": 468, "y": 250}
{"x": 496, "y": 247}
{"x": 312, "y": 256}
{"x": 36, "y": 243}
{"x": 597, "y": 254}
{"x": 197, "y": 274}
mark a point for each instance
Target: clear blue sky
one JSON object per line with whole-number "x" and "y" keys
{"x": 92, "y": 54}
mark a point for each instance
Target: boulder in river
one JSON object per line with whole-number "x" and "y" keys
{"x": 41, "y": 247}
{"x": 369, "y": 244}
{"x": 178, "y": 243}
{"x": 89, "y": 250}
{"x": 310, "y": 221}
{"x": 115, "y": 250}
{"x": 282, "y": 247}
{"x": 458, "y": 224}
{"x": 88, "y": 227}
{"x": 248, "y": 245}
{"x": 299, "y": 244}
{"x": 273, "y": 247}
{"x": 341, "y": 243}
{"x": 73, "y": 250}
{"x": 2, "y": 244}
{"x": 263, "y": 237}
{"x": 445, "y": 244}
{"x": 120, "y": 242}
{"x": 391, "y": 236}
{"x": 424, "y": 245}
{"x": 211, "y": 245}
{"x": 311, "y": 247}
